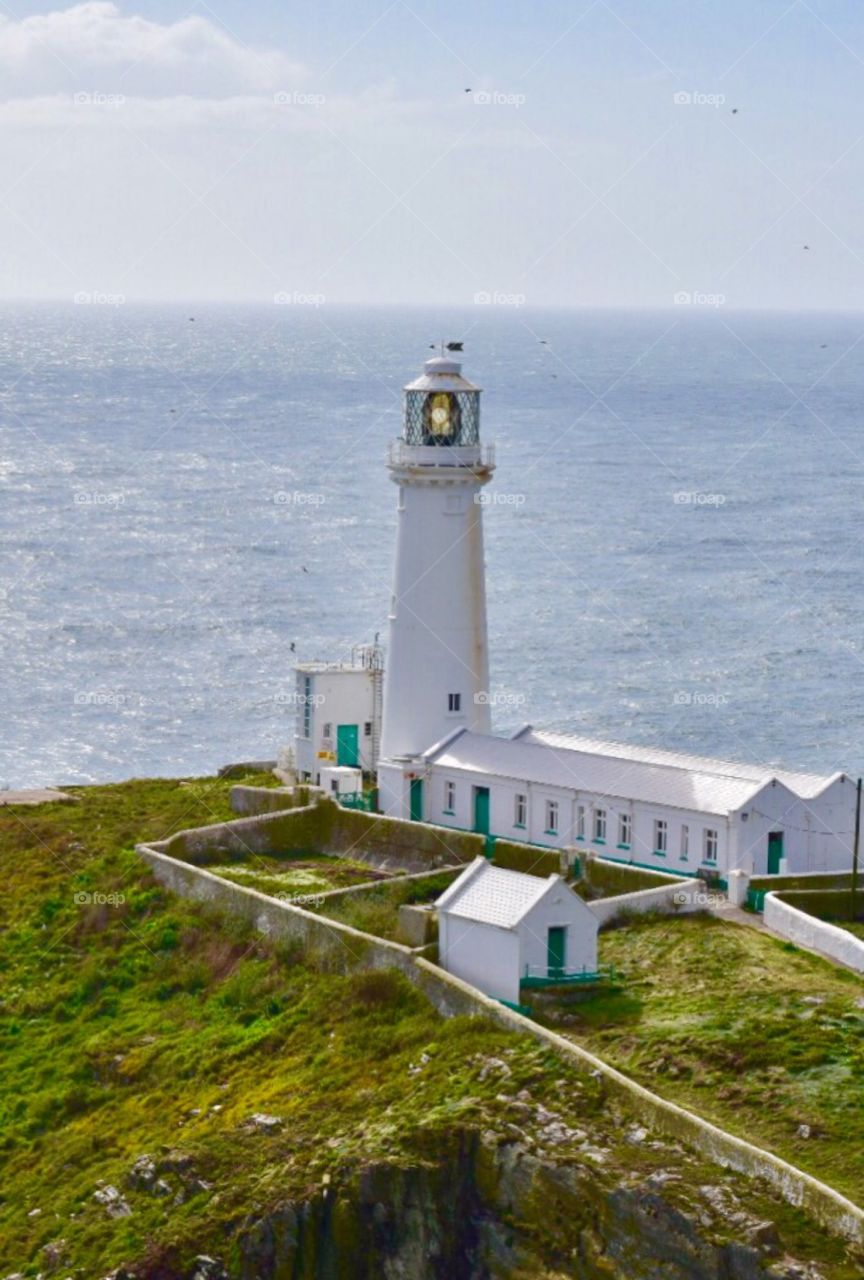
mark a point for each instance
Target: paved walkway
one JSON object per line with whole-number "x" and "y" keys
{"x": 34, "y": 795}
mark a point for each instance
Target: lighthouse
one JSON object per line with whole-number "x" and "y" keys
{"x": 437, "y": 673}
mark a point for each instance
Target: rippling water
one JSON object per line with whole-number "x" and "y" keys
{"x": 675, "y": 558}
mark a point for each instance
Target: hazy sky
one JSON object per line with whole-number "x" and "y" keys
{"x": 329, "y": 148}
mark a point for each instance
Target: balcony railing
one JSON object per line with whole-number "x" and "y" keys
{"x": 472, "y": 456}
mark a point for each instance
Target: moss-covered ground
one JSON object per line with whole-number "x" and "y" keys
{"x": 133, "y": 1022}
{"x": 752, "y": 1033}
{"x": 376, "y": 910}
{"x": 306, "y": 875}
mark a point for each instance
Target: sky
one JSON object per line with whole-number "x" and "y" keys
{"x": 614, "y": 153}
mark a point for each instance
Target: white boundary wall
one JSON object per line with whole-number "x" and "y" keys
{"x": 688, "y": 895}
{"x": 334, "y": 944}
{"x": 817, "y": 935}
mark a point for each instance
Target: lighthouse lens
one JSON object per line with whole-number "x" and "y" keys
{"x": 440, "y": 415}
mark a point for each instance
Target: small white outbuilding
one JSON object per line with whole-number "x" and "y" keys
{"x": 497, "y": 927}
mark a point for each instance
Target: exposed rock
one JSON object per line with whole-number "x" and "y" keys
{"x": 54, "y": 1253}
{"x": 115, "y": 1205}
{"x": 764, "y": 1236}
{"x": 206, "y": 1268}
{"x": 142, "y": 1175}
{"x": 262, "y": 1123}
{"x": 803, "y": 1131}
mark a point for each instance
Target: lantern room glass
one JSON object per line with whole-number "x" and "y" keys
{"x": 447, "y": 418}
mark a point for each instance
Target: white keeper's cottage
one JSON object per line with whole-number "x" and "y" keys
{"x": 439, "y": 761}
{"x": 497, "y": 927}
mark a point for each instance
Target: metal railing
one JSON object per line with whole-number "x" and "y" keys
{"x": 402, "y": 454}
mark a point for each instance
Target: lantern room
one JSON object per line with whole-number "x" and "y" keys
{"x": 441, "y": 407}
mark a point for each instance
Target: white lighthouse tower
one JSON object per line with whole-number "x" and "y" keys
{"x": 437, "y": 672}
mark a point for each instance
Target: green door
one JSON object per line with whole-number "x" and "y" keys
{"x": 348, "y": 745}
{"x": 481, "y": 810}
{"x": 775, "y": 851}
{"x": 556, "y": 950}
{"x": 416, "y": 804}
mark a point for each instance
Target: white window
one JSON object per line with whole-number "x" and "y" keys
{"x": 685, "y": 843}
{"x": 520, "y": 811}
{"x": 551, "y": 817}
{"x": 661, "y": 835}
{"x": 454, "y": 701}
{"x": 624, "y": 828}
{"x": 328, "y": 729}
{"x": 710, "y": 845}
{"x": 449, "y": 797}
{"x": 367, "y": 729}
{"x": 580, "y": 822}
{"x": 600, "y": 825}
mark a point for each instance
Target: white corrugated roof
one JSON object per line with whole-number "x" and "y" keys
{"x": 493, "y": 895}
{"x": 618, "y": 772}
{"x": 806, "y": 785}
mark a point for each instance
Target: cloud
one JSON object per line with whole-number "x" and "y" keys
{"x": 93, "y": 47}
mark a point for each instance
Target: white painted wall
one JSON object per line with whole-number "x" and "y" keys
{"x": 817, "y": 935}
{"x": 438, "y": 641}
{"x": 339, "y": 696}
{"x": 482, "y": 954}
{"x": 687, "y": 896}
{"x": 559, "y": 906}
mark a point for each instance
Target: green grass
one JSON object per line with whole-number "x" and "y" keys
{"x": 758, "y": 1036}
{"x": 286, "y": 877}
{"x": 376, "y": 910}
{"x": 135, "y": 1022}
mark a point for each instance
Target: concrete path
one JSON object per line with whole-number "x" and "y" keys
{"x": 34, "y": 795}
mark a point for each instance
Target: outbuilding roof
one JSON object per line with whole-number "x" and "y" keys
{"x": 695, "y": 783}
{"x": 495, "y": 895}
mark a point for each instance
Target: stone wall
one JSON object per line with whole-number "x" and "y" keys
{"x": 335, "y": 946}
{"x": 606, "y": 878}
{"x": 787, "y": 915}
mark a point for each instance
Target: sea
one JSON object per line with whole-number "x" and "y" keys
{"x": 193, "y": 497}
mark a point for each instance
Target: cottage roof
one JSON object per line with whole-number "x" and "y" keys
{"x": 494, "y": 895}
{"x": 694, "y": 783}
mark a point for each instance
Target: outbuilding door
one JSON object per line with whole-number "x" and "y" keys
{"x": 556, "y": 950}
{"x": 348, "y": 745}
{"x": 416, "y": 800}
{"x": 481, "y": 810}
{"x": 775, "y": 851}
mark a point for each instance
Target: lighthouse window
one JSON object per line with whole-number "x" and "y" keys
{"x": 328, "y": 729}
{"x": 449, "y": 797}
{"x": 520, "y": 811}
{"x": 454, "y": 701}
{"x": 367, "y": 729}
{"x": 551, "y": 817}
{"x": 307, "y": 706}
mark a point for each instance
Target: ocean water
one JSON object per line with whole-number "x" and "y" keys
{"x": 674, "y": 555}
